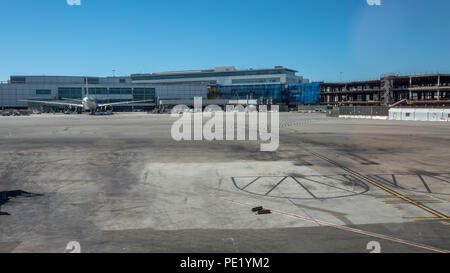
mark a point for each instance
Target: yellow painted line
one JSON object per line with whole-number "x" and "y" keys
{"x": 390, "y": 196}
{"x": 430, "y": 219}
{"x": 442, "y": 217}
{"x": 407, "y": 202}
{"x": 396, "y": 194}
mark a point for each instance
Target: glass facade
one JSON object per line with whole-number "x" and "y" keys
{"x": 18, "y": 80}
{"x": 250, "y": 81}
{"x": 268, "y": 93}
{"x": 120, "y": 91}
{"x": 97, "y": 91}
{"x": 75, "y": 93}
{"x": 212, "y": 74}
{"x": 295, "y": 92}
{"x": 43, "y": 92}
{"x": 304, "y": 92}
{"x": 261, "y": 92}
{"x": 69, "y": 92}
{"x": 144, "y": 94}
{"x": 213, "y": 93}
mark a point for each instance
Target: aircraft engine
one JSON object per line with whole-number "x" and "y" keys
{"x": 108, "y": 108}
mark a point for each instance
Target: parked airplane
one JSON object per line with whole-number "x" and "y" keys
{"x": 87, "y": 103}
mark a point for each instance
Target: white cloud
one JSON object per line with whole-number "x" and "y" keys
{"x": 74, "y": 2}
{"x": 374, "y": 2}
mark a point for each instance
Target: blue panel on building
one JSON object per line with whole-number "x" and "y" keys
{"x": 310, "y": 92}
{"x": 274, "y": 93}
{"x": 304, "y": 92}
{"x": 261, "y": 92}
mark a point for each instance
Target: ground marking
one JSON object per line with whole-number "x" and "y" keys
{"x": 408, "y": 200}
{"x": 354, "y": 230}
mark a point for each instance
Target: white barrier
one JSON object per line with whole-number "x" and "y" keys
{"x": 446, "y": 116}
{"x": 419, "y": 114}
{"x": 395, "y": 115}
{"x": 363, "y": 117}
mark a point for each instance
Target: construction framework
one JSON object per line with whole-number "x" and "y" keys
{"x": 418, "y": 90}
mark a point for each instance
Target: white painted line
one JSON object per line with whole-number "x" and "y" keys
{"x": 376, "y": 235}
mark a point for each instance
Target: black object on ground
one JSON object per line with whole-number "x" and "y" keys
{"x": 264, "y": 211}
{"x": 257, "y": 209}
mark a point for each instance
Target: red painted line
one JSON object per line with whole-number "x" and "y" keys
{"x": 371, "y": 234}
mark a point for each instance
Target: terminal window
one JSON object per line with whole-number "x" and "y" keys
{"x": 98, "y": 91}
{"x": 70, "y": 93}
{"x": 265, "y": 80}
{"x": 18, "y": 79}
{"x": 120, "y": 91}
{"x": 43, "y": 92}
{"x": 144, "y": 94}
{"x": 93, "y": 80}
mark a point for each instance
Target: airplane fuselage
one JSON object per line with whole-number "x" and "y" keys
{"x": 89, "y": 104}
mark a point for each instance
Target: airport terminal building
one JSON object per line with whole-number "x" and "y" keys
{"x": 228, "y": 84}
{"x": 103, "y": 89}
{"x": 222, "y": 76}
{"x": 221, "y": 85}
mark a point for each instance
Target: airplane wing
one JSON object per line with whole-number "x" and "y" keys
{"x": 72, "y": 100}
{"x": 55, "y": 103}
{"x": 123, "y": 102}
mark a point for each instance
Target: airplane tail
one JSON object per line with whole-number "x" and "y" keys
{"x": 87, "y": 88}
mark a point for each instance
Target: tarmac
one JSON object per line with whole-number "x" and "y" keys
{"x": 121, "y": 184}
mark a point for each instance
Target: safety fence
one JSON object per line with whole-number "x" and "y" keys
{"x": 364, "y": 112}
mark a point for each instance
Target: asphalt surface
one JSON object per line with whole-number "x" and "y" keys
{"x": 122, "y": 184}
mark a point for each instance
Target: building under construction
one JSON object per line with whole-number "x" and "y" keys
{"x": 418, "y": 90}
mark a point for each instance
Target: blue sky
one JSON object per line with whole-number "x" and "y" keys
{"x": 319, "y": 38}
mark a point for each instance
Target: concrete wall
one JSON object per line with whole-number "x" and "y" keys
{"x": 417, "y": 114}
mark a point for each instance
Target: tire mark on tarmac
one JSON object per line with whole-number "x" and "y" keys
{"x": 354, "y": 230}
